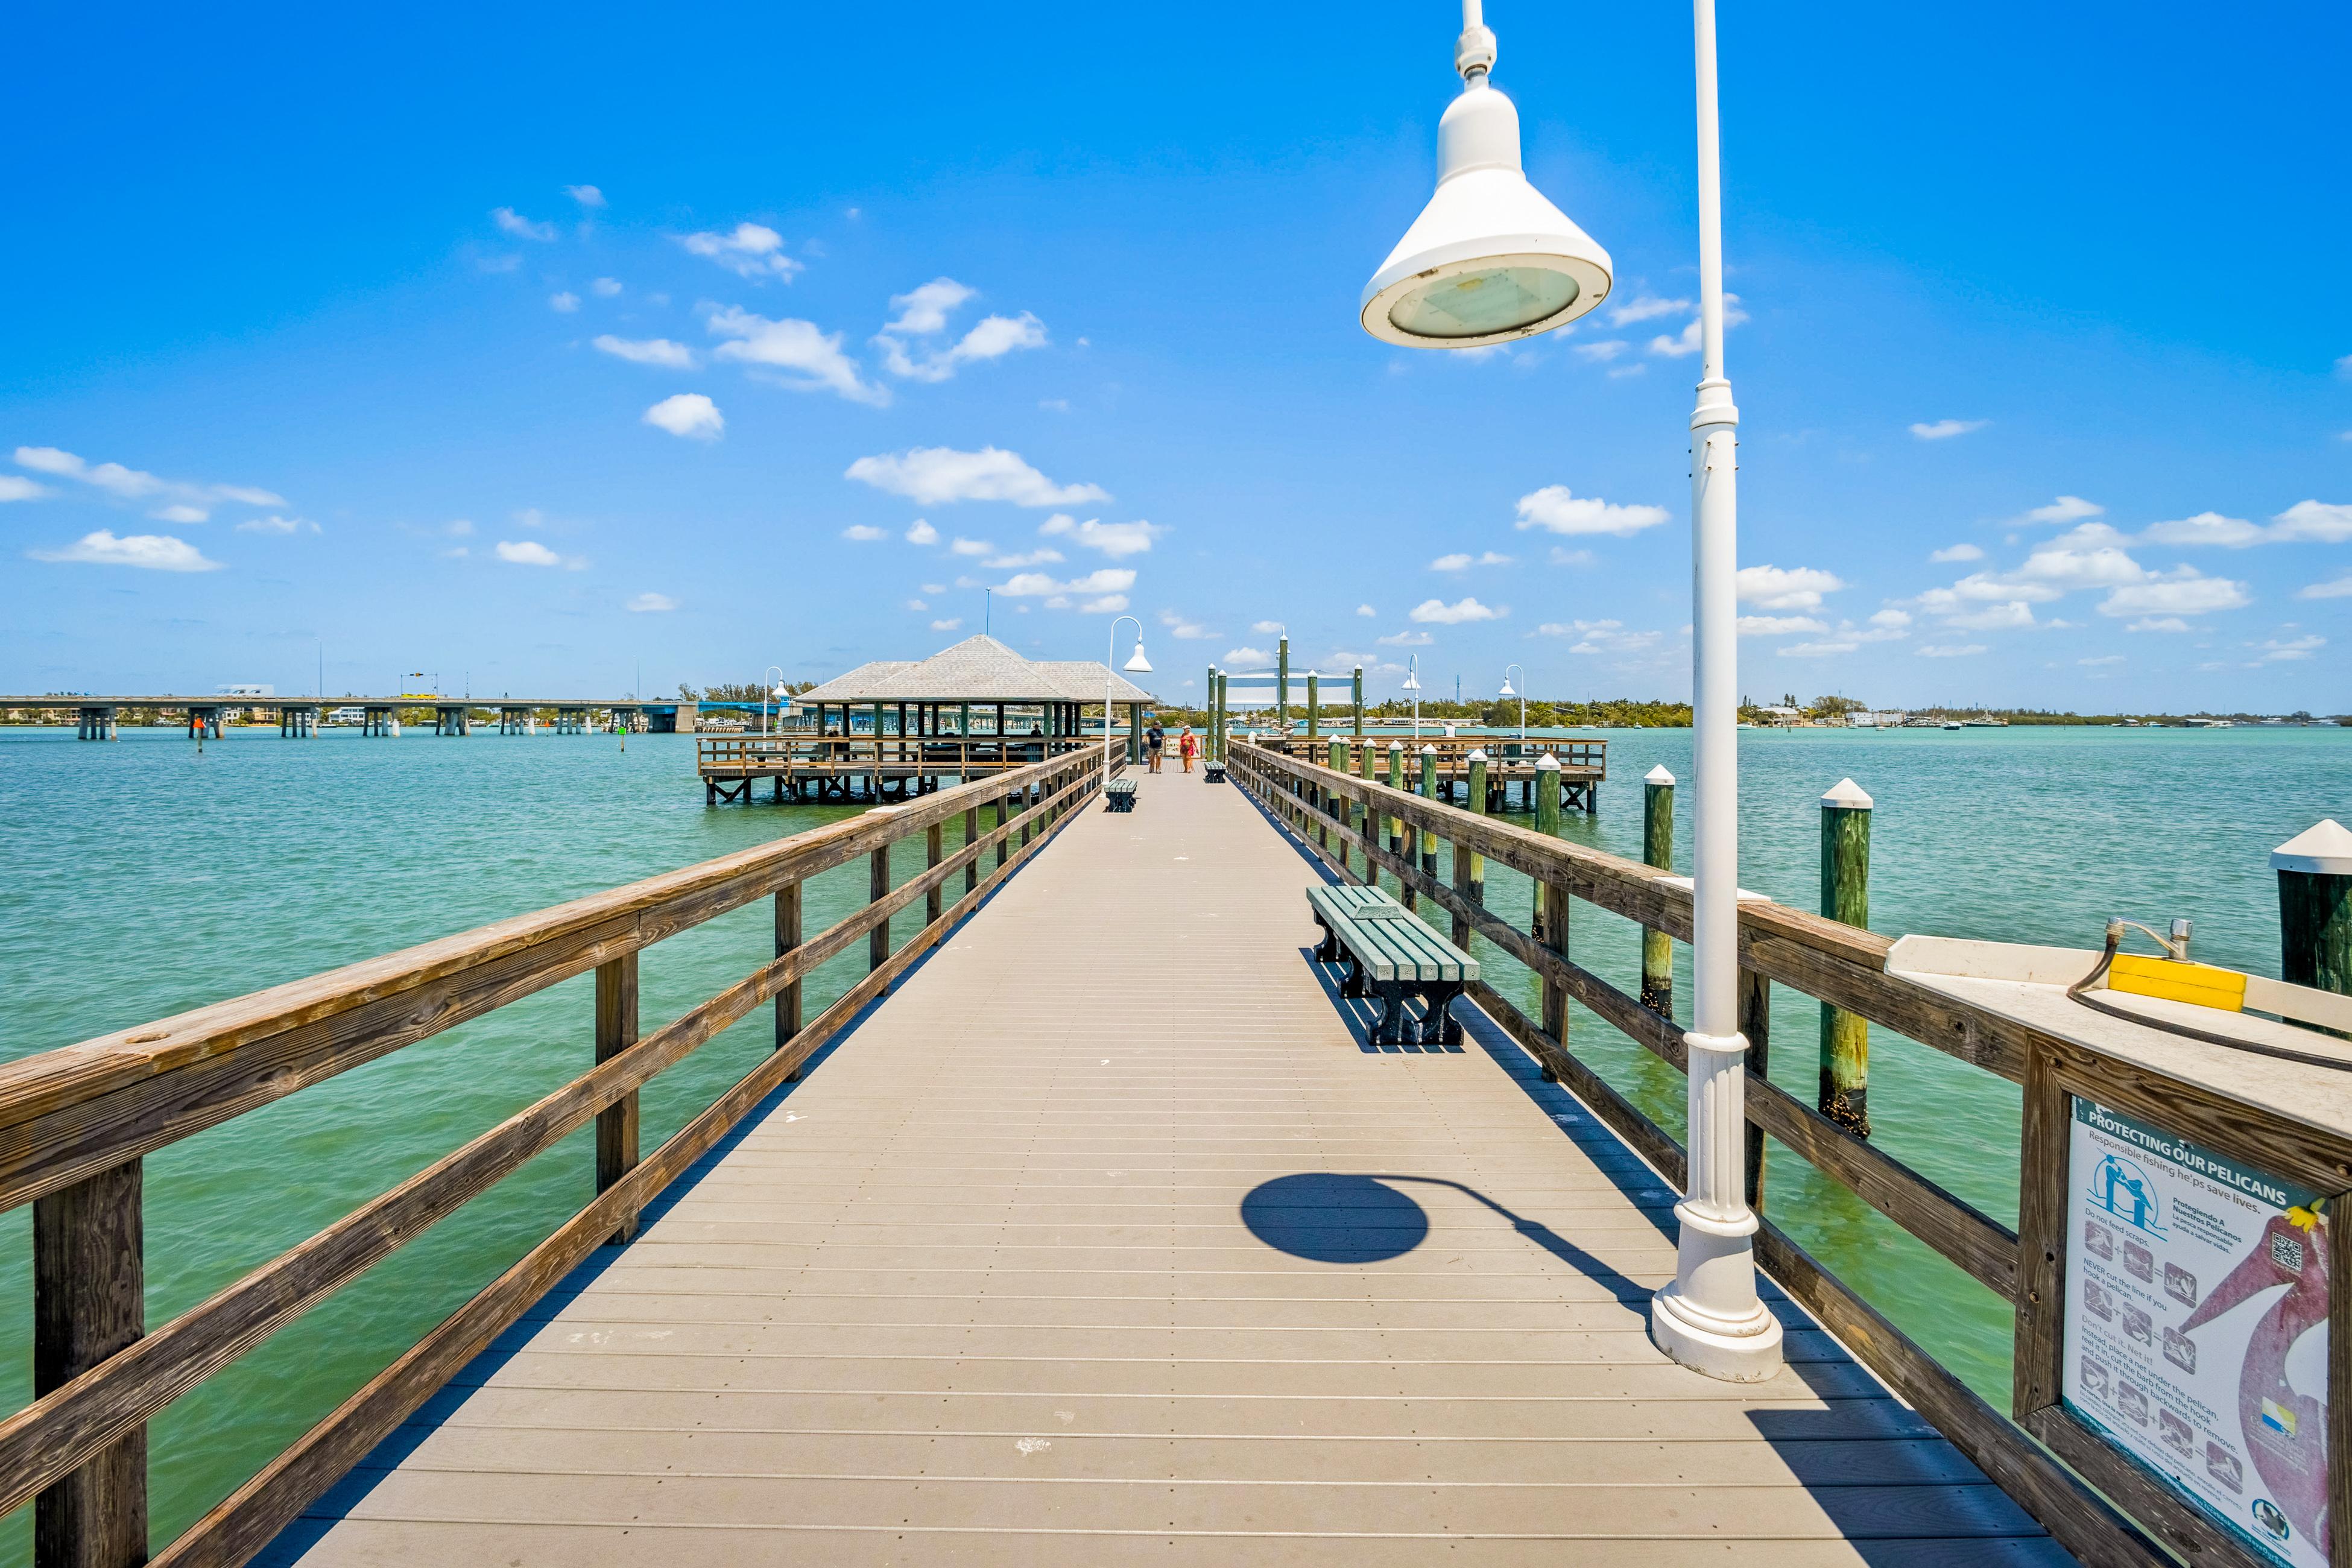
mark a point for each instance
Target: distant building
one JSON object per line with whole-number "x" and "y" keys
{"x": 1778, "y": 715}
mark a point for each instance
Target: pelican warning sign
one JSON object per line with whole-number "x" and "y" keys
{"x": 2197, "y": 1326}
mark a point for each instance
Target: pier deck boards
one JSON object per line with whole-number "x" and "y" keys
{"x": 1104, "y": 1239}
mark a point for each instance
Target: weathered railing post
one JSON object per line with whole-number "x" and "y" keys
{"x": 1339, "y": 804}
{"x": 2315, "y": 884}
{"x": 877, "y": 888}
{"x": 788, "y": 937}
{"x": 971, "y": 835}
{"x": 1469, "y": 866}
{"x": 1658, "y": 849}
{"x": 1551, "y": 905}
{"x": 89, "y": 1302}
{"x": 1756, "y": 1024}
{"x": 1845, "y": 896}
{"x": 616, "y": 1124}
{"x": 934, "y": 850}
{"x": 1371, "y": 824}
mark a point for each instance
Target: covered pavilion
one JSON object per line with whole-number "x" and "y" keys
{"x": 979, "y": 687}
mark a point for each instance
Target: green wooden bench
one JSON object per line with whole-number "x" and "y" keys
{"x": 1392, "y": 954}
{"x": 1121, "y": 794}
{"x": 1213, "y": 771}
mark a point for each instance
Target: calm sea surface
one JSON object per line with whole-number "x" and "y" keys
{"x": 143, "y": 878}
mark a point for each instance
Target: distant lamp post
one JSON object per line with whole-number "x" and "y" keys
{"x": 1134, "y": 661}
{"x": 779, "y": 694}
{"x": 1520, "y": 695}
{"x": 1413, "y": 684}
{"x": 1489, "y": 260}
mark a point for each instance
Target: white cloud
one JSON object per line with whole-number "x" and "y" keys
{"x": 920, "y": 532}
{"x": 935, "y": 587}
{"x": 1600, "y": 637}
{"x": 181, "y": 511}
{"x": 1406, "y": 640}
{"x": 1987, "y": 588}
{"x": 604, "y": 288}
{"x": 865, "y": 534}
{"x": 1554, "y": 508}
{"x": 1603, "y": 351}
{"x": 651, "y": 603}
{"x": 688, "y": 414}
{"x": 925, "y": 309}
{"x": 1687, "y": 342}
{"x": 2344, "y": 367}
{"x": 2277, "y": 652}
{"x": 151, "y": 552}
{"x": 586, "y": 195}
{"x": 1244, "y": 654}
{"x": 2065, "y": 508}
{"x": 277, "y": 525}
{"x": 1038, "y": 584}
{"x": 1115, "y": 540}
{"x": 962, "y": 546}
{"x": 2205, "y": 527}
{"x": 457, "y": 527}
{"x": 953, "y": 623}
{"x": 1455, "y": 562}
{"x": 131, "y": 484}
{"x": 2182, "y": 592}
{"x": 794, "y": 346}
{"x": 1957, "y": 553}
{"x": 2013, "y": 615}
{"x": 512, "y": 222}
{"x": 2089, "y": 556}
{"x": 1108, "y": 604}
{"x": 993, "y": 338}
{"x": 1445, "y": 614}
{"x": 2341, "y": 588}
{"x": 1269, "y": 628}
{"x": 934, "y": 475}
{"x": 1891, "y": 619}
{"x": 646, "y": 351}
{"x": 1184, "y": 629}
{"x": 14, "y": 488}
{"x": 918, "y": 604}
{"x": 1818, "y": 649}
{"x": 1778, "y": 626}
{"x": 2313, "y": 521}
{"x": 2103, "y": 659}
{"x": 530, "y": 553}
{"x": 1785, "y": 588}
{"x": 1945, "y": 430}
{"x": 752, "y": 251}
{"x": 1366, "y": 610}
{"x": 564, "y": 303}
{"x": 1644, "y": 307}
{"x": 1950, "y": 650}
{"x": 2160, "y": 624}
{"x": 1029, "y": 558}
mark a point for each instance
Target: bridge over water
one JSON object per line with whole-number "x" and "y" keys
{"x": 1086, "y": 1228}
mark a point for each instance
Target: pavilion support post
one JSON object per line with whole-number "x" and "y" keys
{"x": 90, "y": 1303}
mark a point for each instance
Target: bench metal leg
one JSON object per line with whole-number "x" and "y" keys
{"x": 1441, "y": 1027}
{"x": 1387, "y": 1027}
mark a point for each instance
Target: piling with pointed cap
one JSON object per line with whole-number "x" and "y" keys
{"x": 1340, "y": 805}
{"x": 2314, "y": 883}
{"x": 1845, "y": 896}
{"x": 1428, "y": 791}
{"x": 1314, "y": 707}
{"x": 1282, "y": 686}
{"x": 1396, "y": 781}
{"x": 1360, "y": 701}
{"x": 1658, "y": 849}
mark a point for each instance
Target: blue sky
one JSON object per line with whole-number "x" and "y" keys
{"x": 532, "y": 347}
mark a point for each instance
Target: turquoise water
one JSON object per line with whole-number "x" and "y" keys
{"x": 145, "y": 879}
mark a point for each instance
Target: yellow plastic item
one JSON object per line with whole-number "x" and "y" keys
{"x": 2199, "y": 984}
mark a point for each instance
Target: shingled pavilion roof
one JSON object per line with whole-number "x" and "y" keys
{"x": 977, "y": 669}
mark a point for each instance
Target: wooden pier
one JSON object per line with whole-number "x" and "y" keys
{"x": 835, "y": 768}
{"x": 988, "y": 1263}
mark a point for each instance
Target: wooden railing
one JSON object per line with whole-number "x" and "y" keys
{"x": 1340, "y": 816}
{"x": 976, "y": 754}
{"x": 76, "y": 1123}
{"x": 1502, "y": 751}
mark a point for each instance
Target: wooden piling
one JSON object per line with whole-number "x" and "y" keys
{"x": 616, "y": 1124}
{"x": 1428, "y": 791}
{"x": 788, "y": 937}
{"x": 90, "y": 1303}
{"x": 1755, "y": 1027}
{"x": 1282, "y": 687}
{"x": 1469, "y": 866}
{"x": 2314, "y": 883}
{"x": 1358, "y": 700}
{"x": 1341, "y": 806}
{"x": 1314, "y": 709}
{"x": 1658, "y": 849}
{"x": 1845, "y": 896}
{"x": 1551, "y": 905}
{"x": 877, "y": 888}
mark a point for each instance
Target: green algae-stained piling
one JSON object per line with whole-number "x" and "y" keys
{"x": 1658, "y": 849}
{"x": 1470, "y": 867}
{"x": 1282, "y": 684}
{"x": 1428, "y": 791}
{"x": 1358, "y": 685}
{"x": 1340, "y": 802}
{"x": 1550, "y": 922}
{"x": 1314, "y": 707}
{"x": 1845, "y": 896}
{"x": 2315, "y": 884}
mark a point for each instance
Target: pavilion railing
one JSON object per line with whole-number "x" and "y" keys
{"x": 76, "y": 1123}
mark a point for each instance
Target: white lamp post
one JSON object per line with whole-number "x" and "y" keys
{"x": 1488, "y": 260}
{"x": 1135, "y": 661}
{"x": 1413, "y": 684}
{"x": 778, "y": 691}
{"x": 1521, "y": 696}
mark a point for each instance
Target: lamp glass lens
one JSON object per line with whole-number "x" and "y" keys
{"x": 1478, "y": 304}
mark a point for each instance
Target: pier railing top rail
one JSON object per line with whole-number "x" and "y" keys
{"x": 68, "y": 1113}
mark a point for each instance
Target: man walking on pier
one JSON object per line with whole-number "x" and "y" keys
{"x": 1156, "y": 739}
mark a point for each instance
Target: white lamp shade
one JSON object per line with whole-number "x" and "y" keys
{"x": 1411, "y": 683}
{"x": 1137, "y": 662}
{"x": 1489, "y": 259}
{"x": 779, "y": 693}
{"x": 1507, "y": 687}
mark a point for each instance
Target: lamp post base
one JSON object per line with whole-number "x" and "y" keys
{"x": 1741, "y": 1351}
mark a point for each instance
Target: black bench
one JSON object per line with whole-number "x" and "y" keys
{"x": 1392, "y": 954}
{"x": 1121, "y": 794}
